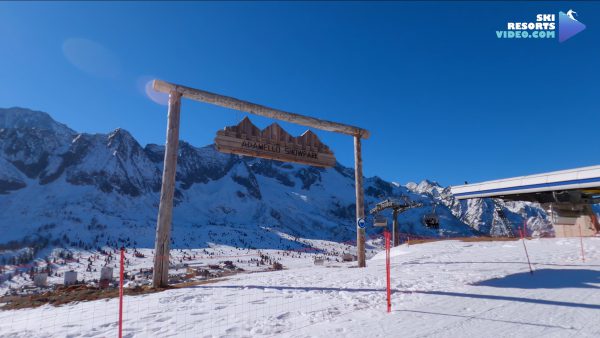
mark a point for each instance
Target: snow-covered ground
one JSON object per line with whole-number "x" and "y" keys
{"x": 447, "y": 288}
{"x": 88, "y": 263}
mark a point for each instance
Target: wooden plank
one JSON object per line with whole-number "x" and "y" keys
{"x": 360, "y": 210}
{"x": 160, "y": 277}
{"x": 245, "y": 106}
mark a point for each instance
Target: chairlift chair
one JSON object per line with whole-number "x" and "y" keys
{"x": 380, "y": 221}
{"x": 431, "y": 219}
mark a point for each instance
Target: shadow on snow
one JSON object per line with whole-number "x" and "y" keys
{"x": 547, "y": 279}
{"x": 382, "y": 290}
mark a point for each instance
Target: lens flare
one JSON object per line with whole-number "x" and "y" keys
{"x": 157, "y": 97}
{"x": 91, "y": 57}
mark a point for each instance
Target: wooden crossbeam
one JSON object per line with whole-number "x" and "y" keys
{"x": 257, "y": 109}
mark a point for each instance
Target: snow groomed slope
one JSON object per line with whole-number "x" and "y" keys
{"x": 440, "y": 289}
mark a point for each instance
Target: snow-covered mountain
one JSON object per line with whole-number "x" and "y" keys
{"x": 60, "y": 188}
{"x": 479, "y": 213}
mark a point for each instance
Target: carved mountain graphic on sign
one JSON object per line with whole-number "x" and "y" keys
{"x": 274, "y": 143}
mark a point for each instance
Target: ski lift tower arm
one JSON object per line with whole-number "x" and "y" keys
{"x": 391, "y": 204}
{"x": 397, "y": 208}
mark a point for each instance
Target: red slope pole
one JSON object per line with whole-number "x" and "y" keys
{"x": 387, "y": 270}
{"x": 121, "y": 293}
{"x": 522, "y": 232}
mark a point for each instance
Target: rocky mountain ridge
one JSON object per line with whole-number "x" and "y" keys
{"x": 91, "y": 189}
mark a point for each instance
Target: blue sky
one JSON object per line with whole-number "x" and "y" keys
{"x": 443, "y": 97}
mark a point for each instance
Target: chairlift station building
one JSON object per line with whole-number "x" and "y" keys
{"x": 566, "y": 195}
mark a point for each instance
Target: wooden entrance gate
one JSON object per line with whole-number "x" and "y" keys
{"x": 165, "y": 210}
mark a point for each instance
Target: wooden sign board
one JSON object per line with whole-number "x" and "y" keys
{"x": 274, "y": 143}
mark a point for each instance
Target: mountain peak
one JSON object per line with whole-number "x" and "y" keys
{"x": 427, "y": 182}
{"x": 425, "y": 186}
{"x": 23, "y": 118}
{"x": 120, "y": 134}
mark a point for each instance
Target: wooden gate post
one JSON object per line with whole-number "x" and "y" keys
{"x": 360, "y": 210}
{"x": 160, "y": 277}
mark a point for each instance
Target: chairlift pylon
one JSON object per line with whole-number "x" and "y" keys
{"x": 397, "y": 208}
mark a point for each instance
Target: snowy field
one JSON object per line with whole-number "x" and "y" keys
{"x": 88, "y": 264}
{"x": 441, "y": 289}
